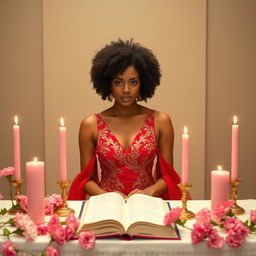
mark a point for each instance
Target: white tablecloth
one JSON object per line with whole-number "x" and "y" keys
{"x": 117, "y": 247}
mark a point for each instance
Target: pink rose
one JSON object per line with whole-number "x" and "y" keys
{"x": 7, "y": 171}
{"x": 48, "y": 206}
{"x": 236, "y": 230}
{"x": 172, "y": 216}
{"x": 59, "y": 234}
{"x": 234, "y": 240}
{"x": 223, "y": 208}
{"x": 24, "y": 223}
{"x": 215, "y": 241}
{"x": 51, "y": 251}
{"x": 86, "y": 239}
{"x": 197, "y": 235}
{"x": 51, "y": 203}
{"x": 1, "y": 196}
{"x": 203, "y": 220}
{"x": 8, "y": 248}
{"x": 69, "y": 232}
{"x": 72, "y": 221}
{"x": 30, "y": 232}
{"x": 42, "y": 229}
{"x": 232, "y": 225}
{"x": 236, "y": 226}
{"x": 57, "y": 200}
{"x": 53, "y": 223}
{"x": 253, "y": 216}
{"x": 23, "y": 202}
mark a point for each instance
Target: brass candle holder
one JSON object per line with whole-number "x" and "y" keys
{"x": 64, "y": 210}
{"x": 17, "y": 185}
{"x": 185, "y": 213}
{"x": 16, "y": 207}
{"x": 236, "y": 210}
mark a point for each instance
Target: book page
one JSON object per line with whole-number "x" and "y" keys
{"x": 108, "y": 206}
{"x": 145, "y": 208}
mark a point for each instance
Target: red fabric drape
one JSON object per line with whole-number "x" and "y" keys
{"x": 77, "y": 192}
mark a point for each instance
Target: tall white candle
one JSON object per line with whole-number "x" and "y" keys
{"x": 16, "y": 148}
{"x": 184, "y": 164}
{"x": 63, "y": 151}
{"x": 234, "y": 156}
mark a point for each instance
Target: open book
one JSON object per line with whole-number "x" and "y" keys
{"x": 140, "y": 215}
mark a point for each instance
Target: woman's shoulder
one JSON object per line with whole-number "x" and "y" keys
{"x": 89, "y": 122}
{"x": 162, "y": 118}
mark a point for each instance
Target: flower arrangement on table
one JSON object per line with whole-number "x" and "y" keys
{"x": 203, "y": 228}
{"x": 59, "y": 231}
{"x": 64, "y": 231}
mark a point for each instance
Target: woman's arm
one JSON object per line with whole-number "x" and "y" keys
{"x": 165, "y": 137}
{"x": 87, "y": 146}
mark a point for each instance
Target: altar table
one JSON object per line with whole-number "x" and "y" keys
{"x": 144, "y": 247}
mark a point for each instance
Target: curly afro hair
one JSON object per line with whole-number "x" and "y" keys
{"x": 115, "y": 57}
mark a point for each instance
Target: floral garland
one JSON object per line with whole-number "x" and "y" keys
{"x": 64, "y": 231}
{"x": 59, "y": 231}
{"x": 203, "y": 228}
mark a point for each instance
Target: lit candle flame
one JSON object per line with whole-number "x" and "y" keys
{"x": 35, "y": 159}
{"x": 219, "y": 168}
{"x": 235, "y": 119}
{"x": 62, "y": 121}
{"x": 16, "y": 120}
{"x": 185, "y": 130}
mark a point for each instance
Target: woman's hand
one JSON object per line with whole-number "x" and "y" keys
{"x": 147, "y": 191}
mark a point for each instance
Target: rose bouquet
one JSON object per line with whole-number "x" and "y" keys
{"x": 204, "y": 228}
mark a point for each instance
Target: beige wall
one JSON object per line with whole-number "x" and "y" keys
{"x": 175, "y": 31}
{"x": 231, "y": 88}
{"x": 21, "y": 81}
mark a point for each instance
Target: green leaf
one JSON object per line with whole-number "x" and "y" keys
{"x": 214, "y": 223}
{"x": 3, "y": 211}
{"x": 6, "y": 232}
{"x": 17, "y": 231}
{"x": 246, "y": 223}
{"x": 9, "y": 178}
{"x": 15, "y": 208}
{"x": 252, "y": 227}
{"x": 230, "y": 213}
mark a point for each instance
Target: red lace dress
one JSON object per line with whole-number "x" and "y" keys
{"x": 126, "y": 169}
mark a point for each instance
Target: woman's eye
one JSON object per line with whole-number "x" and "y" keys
{"x": 118, "y": 82}
{"x": 134, "y": 82}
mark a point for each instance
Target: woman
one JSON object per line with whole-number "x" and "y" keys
{"x": 127, "y": 136}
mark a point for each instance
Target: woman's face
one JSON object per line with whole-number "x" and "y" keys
{"x": 126, "y": 87}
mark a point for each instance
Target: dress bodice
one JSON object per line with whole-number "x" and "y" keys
{"x": 126, "y": 169}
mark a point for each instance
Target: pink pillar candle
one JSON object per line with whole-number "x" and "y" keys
{"x": 234, "y": 156}
{"x": 35, "y": 190}
{"x": 63, "y": 151}
{"x": 219, "y": 188}
{"x": 16, "y": 148}
{"x": 184, "y": 164}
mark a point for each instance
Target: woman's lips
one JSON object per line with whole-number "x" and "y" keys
{"x": 126, "y": 98}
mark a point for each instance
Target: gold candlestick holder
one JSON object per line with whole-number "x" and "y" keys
{"x": 236, "y": 210}
{"x": 16, "y": 207}
{"x": 17, "y": 185}
{"x": 185, "y": 213}
{"x": 64, "y": 210}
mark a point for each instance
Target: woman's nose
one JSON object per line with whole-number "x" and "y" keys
{"x": 126, "y": 88}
